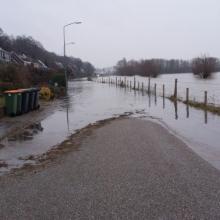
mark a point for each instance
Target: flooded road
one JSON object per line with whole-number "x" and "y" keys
{"x": 89, "y": 102}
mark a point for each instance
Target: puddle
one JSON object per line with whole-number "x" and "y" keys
{"x": 89, "y": 102}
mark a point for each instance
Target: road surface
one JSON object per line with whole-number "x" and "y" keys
{"x": 126, "y": 169}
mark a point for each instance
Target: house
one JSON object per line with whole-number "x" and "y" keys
{"x": 21, "y": 60}
{"x": 5, "y": 56}
{"x": 39, "y": 65}
{"x": 27, "y": 61}
{"x": 42, "y": 65}
{"x": 59, "y": 65}
{"x": 15, "y": 58}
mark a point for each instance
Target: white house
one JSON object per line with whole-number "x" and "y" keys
{"x": 5, "y": 56}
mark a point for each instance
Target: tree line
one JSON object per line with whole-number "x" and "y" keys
{"x": 203, "y": 66}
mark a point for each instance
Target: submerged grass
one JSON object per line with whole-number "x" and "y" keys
{"x": 198, "y": 105}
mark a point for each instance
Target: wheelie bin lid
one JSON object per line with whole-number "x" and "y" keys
{"x": 15, "y": 91}
{"x": 34, "y": 89}
{"x": 21, "y": 90}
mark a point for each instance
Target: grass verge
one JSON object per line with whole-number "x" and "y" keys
{"x": 198, "y": 105}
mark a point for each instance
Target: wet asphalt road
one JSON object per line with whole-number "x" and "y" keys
{"x": 128, "y": 169}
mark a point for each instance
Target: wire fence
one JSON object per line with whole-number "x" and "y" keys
{"x": 194, "y": 90}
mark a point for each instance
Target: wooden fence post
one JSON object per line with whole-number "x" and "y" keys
{"x": 163, "y": 91}
{"x": 155, "y": 89}
{"x": 206, "y": 98}
{"x": 187, "y": 96}
{"x": 175, "y": 89}
{"x": 148, "y": 90}
{"x": 163, "y": 96}
{"x": 134, "y": 83}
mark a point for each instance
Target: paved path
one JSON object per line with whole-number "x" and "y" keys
{"x": 128, "y": 169}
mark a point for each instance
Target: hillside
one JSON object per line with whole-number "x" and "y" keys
{"x": 34, "y": 49}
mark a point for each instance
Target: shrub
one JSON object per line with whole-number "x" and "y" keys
{"x": 59, "y": 79}
{"x": 46, "y": 94}
{"x": 16, "y": 76}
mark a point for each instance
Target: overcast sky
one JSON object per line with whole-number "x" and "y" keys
{"x": 113, "y": 29}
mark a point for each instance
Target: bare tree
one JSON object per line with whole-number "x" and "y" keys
{"x": 204, "y": 66}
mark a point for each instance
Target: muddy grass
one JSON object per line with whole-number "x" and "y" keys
{"x": 198, "y": 105}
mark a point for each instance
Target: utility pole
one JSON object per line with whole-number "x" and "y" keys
{"x": 64, "y": 49}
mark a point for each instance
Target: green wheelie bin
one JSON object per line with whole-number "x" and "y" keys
{"x": 11, "y": 102}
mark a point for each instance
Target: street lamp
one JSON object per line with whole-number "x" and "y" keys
{"x": 64, "y": 47}
{"x": 70, "y": 43}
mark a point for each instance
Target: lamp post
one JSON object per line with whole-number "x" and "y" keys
{"x": 64, "y": 48}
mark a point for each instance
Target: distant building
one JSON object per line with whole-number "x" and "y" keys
{"x": 105, "y": 71}
{"x": 27, "y": 61}
{"x": 5, "y": 56}
{"x": 59, "y": 65}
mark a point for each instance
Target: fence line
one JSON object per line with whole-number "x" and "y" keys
{"x": 159, "y": 89}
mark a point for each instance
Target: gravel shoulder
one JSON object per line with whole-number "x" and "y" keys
{"x": 125, "y": 169}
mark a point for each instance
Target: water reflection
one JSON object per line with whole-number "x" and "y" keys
{"x": 67, "y": 100}
{"x": 187, "y": 111}
{"x": 206, "y": 117}
{"x": 174, "y": 103}
{"x": 149, "y": 100}
{"x": 176, "y": 109}
{"x": 164, "y": 102}
{"x": 27, "y": 133}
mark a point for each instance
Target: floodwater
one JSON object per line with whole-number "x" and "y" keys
{"x": 196, "y": 85}
{"x": 89, "y": 102}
